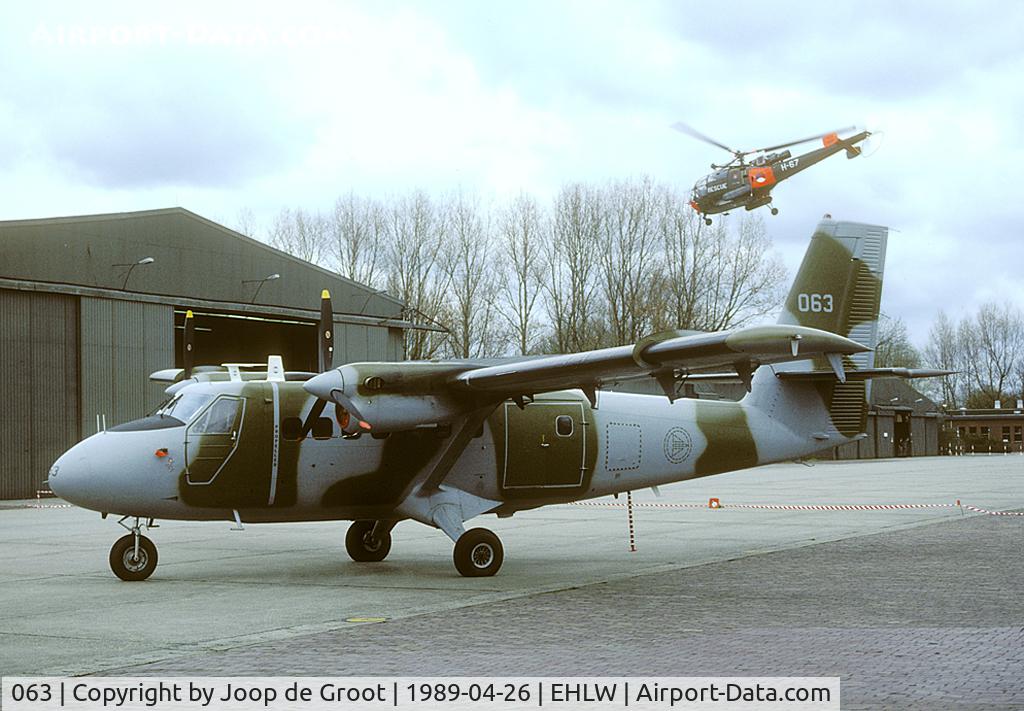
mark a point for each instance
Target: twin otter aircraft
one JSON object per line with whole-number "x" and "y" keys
{"x": 442, "y": 442}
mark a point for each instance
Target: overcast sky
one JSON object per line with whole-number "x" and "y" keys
{"x": 125, "y": 106}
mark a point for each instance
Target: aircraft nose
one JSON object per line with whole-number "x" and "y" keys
{"x": 71, "y": 476}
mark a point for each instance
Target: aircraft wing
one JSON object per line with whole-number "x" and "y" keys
{"x": 391, "y": 396}
{"x": 741, "y": 349}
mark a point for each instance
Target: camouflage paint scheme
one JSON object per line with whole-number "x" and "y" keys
{"x": 625, "y": 442}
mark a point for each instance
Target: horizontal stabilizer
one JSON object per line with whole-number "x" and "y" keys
{"x": 868, "y": 374}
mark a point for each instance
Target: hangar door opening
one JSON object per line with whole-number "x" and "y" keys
{"x": 223, "y": 337}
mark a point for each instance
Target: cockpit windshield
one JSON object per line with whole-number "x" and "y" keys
{"x": 185, "y": 405}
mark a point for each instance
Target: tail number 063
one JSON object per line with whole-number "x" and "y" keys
{"x": 815, "y": 303}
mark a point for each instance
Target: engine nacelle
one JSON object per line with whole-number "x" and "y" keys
{"x": 388, "y": 397}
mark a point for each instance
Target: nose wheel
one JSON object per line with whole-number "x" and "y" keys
{"x": 369, "y": 541}
{"x": 133, "y": 557}
{"x": 775, "y": 211}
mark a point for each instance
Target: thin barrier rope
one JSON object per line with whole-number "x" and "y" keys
{"x": 716, "y": 504}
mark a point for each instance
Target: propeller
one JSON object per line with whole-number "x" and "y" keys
{"x": 188, "y": 345}
{"x": 325, "y": 357}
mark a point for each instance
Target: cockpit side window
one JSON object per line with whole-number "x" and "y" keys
{"x": 185, "y": 405}
{"x": 219, "y": 418}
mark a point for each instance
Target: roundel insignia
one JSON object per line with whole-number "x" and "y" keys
{"x": 678, "y": 445}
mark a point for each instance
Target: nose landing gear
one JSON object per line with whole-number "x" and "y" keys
{"x": 133, "y": 557}
{"x": 369, "y": 541}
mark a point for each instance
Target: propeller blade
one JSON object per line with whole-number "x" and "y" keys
{"x": 802, "y": 140}
{"x": 325, "y": 333}
{"x": 188, "y": 344}
{"x": 694, "y": 133}
{"x": 312, "y": 417}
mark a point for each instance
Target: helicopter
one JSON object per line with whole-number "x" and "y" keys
{"x": 748, "y": 184}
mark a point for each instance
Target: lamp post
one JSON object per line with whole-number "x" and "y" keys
{"x": 259, "y": 284}
{"x": 131, "y": 267}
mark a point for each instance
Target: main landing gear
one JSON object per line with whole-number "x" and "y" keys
{"x": 478, "y": 552}
{"x": 133, "y": 557}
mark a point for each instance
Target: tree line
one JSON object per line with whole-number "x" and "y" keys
{"x": 984, "y": 348}
{"x": 595, "y": 266}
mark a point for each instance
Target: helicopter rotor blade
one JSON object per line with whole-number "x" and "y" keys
{"x": 802, "y": 140}
{"x": 694, "y": 133}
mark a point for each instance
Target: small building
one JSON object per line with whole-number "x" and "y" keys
{"x": 902, "y": 422}
{"x": 90, "y": 306}
{"x": 996, "y": 429}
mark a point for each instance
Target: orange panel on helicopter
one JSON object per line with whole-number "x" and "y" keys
{"x": 829, "y": 139}
{"x": 762, "y": 177}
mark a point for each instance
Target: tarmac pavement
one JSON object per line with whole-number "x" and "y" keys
{"x": 911, "y": 607}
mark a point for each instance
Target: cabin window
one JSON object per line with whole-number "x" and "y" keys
{"x": 563, "y": 426}
{"x": 291, "y": 428}
{"x": 322, "y": 428}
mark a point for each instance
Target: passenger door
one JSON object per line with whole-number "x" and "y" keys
{"x": 545, "y": 445}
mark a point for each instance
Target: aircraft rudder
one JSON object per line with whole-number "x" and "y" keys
{"x": 838, "y": 287}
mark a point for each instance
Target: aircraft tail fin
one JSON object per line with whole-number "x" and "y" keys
{"x": 837, "y": 289}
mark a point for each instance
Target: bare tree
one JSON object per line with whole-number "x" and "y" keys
{"x": 356, "y": 241}
{"x": 993, "y": 341}
{"x": 894, "y": 349}
{"x": 629, "y": 254}
{"x": 717, "y": 280}
{"x": 944, "y": 351}
{"x": 246, "y": 223}
{"x": 572, "y": 262}
{"x": 415, "y": 274}
{"x": 472, "y": 289}
{"x": 300, "y": 233}
{"x": 522, "y": 239}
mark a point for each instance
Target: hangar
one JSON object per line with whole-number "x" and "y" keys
{"x": 90, "y": 305}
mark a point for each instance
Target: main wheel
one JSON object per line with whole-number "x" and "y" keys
{"x": 361, "y": 545}
{"x": 129, "y": 566}
{"x": 478, "y": 553}
{"x": 707, "y": 221}
{"x": 775, "y": 211}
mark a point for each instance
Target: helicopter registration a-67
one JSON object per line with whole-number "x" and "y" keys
{"x": 748, "y": 184}
{"x": 441, "y": 442}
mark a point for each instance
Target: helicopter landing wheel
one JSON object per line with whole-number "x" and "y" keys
{"x": 707, "y": 221}
{"x": 775, "y": 211}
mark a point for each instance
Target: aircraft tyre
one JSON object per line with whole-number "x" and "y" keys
{"x": 126, "y": 565}
{"x": 364, "y": 549}
{"x": 775, "y": 211}
{"x": 707, "y": 221}
{"x": 478, "y": 553}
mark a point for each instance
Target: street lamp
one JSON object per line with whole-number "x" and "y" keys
{"x": 259, "y": 284}
{"x": 141, "y": 262}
